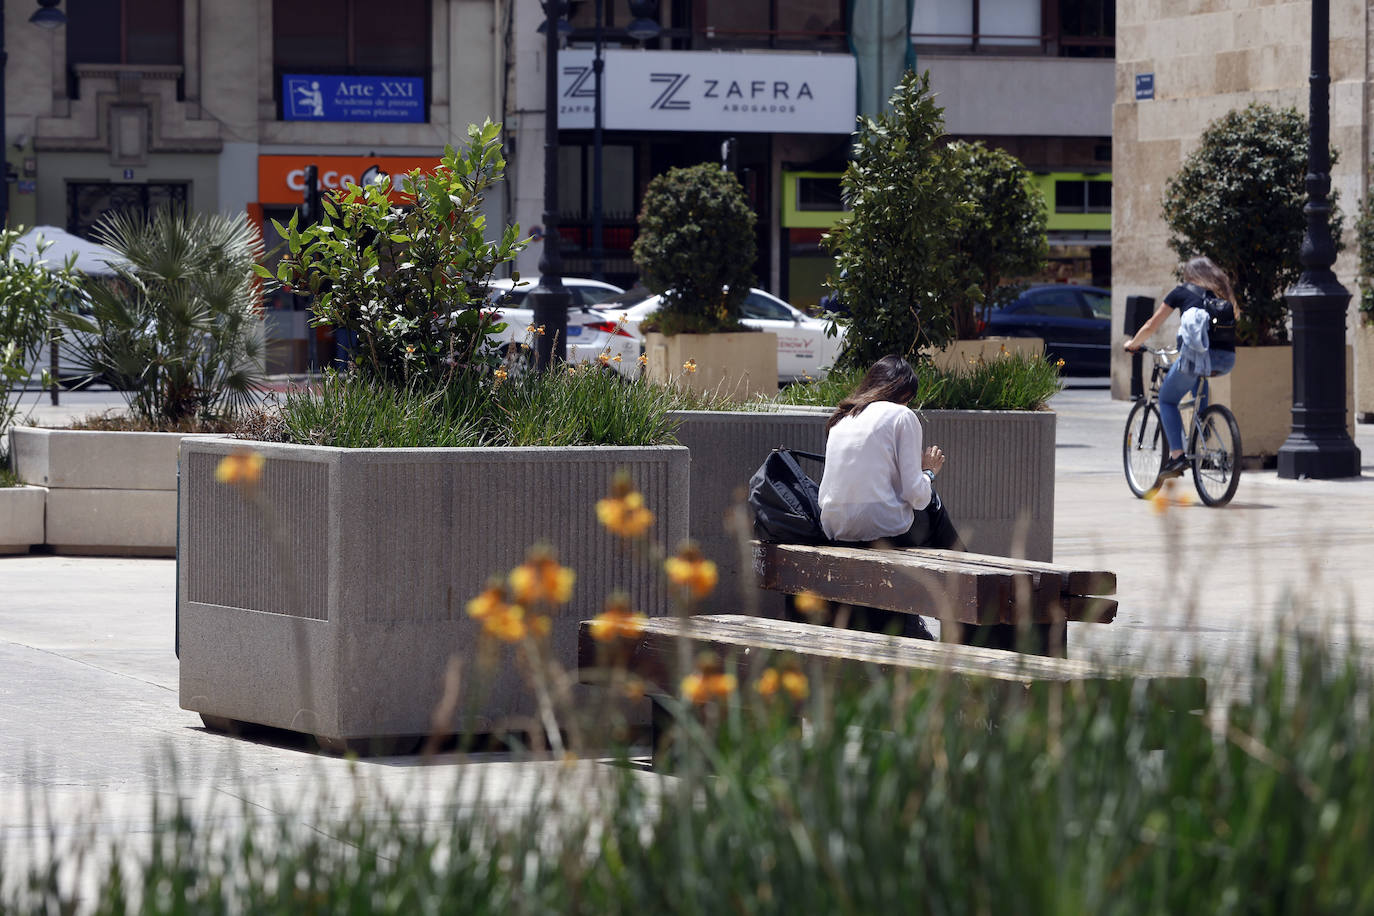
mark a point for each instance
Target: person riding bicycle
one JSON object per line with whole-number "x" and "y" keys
{"x": 1204, "y": 284}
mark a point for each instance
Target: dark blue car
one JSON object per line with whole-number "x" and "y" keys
{"x": 1074, "y": 321}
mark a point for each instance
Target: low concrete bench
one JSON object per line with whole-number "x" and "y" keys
{"x": 997, "y": 602}
{"x": 750, "y": 644}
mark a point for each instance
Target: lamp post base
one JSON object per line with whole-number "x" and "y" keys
{"x": 1318, "y": 445}
{"x": 1320, "y": 456}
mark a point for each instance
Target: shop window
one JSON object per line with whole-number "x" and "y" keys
{"x": 351, "y": 37}
{"x": 1075, "y": 196}
{"x": 1087, "y": 28}
{"x": 88, "y": 202}
{"x": 1067, "y": 28}
{"x": 819, "y": 195}
{"x": 815, "y": 24}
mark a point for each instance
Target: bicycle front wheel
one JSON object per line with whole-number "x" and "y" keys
{"x": 1143, "y": 448}
{"x": 1216, "y": 455}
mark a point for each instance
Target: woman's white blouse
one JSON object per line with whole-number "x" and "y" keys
{"x": 872, "y": 484}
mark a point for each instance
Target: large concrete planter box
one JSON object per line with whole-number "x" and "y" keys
{"x": 998, "y": 482}
{"x": 738, "y": 366}
{"x": 1364, "y": 371}
{"x": 108, "y": 492}
{"x": 331, "y": 601}
{"x": 21, "y": 518}
{"x": 1259, "y": 392}
{"x": 961, "y": 354}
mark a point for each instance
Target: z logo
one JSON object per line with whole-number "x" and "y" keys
{"x": 579, "y": 89}
{"x": 675, "y": 82}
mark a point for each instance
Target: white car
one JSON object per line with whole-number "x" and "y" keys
{"x": 590, "y": 334}
{"x": 805, "y": 350}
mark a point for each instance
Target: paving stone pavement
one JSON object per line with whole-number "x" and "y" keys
{"x": 91, "y": 734}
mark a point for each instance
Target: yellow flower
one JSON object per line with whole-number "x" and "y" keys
{"x": 1002, "y": 349}
{"x": 692, "y": 571}
{"x": 409, "y": 350}
{"x": 788, "y": 678}
{"x": 508, "y": 625}
{"x": 1060, "y": 363}
{"x": 643, "y": 360}
{"x": 707, "y": 682}
{"x": 810, "y": 604}
{"x": 492, "y": 601}
{"x": 540, "y": 578}
{"x": 767, "y": 684}
{"x": 604, "y": 358}
{"x": 690, "y": 366}
{"x": 795, "y": 683}
{"x": 241, "y": 468}
{"x": 1163, "y": 498}
{"x": 624, "y": 512}
{"x": 617, "y": 621}
{"x": 616, "y": 358}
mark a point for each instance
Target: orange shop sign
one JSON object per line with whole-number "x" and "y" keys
{"x": 281, "y": 179}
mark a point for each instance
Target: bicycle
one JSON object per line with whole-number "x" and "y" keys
{"x": 1213, "y": 441}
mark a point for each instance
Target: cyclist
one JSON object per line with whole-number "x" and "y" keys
{"x": 1200, "y": 277}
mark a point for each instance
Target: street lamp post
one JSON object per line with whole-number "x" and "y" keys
{"x": 550, "y": 299}
{"x": 1318, "y": 445}
{"x": 598, "y": 228}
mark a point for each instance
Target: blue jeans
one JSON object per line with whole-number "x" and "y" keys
{"x": 1177, "y": 384}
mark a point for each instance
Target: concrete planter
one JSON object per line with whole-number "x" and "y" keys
{"x": 108, "y": 492}
{"x": 961, "y": 353}
{"x": 1259, "y": 392}
{"x": 998, "y": 483}
{"x": 332, "y": 601}
{"x": 21, "y": 518}
{"x": 738, "y": 366}
{"x": 1364, "y": 371}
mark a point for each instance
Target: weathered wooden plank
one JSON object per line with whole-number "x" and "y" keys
{"x": 1090, "y": 608}
{"x": 1075, "y": 581}
{"x": 847, "y": 656}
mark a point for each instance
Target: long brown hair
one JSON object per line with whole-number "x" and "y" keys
{"x": 1205, "y": 273}
{"x": 889, "y": 379}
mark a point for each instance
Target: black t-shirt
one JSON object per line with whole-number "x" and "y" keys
{"x": 1187, "y": 296}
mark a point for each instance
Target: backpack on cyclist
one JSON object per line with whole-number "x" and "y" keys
{"x": 785, "y": 500}
{"x": 1221, "y": 326}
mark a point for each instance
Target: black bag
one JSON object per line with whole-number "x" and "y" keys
{"x": 1221, "y": 328}
{"x": 786, "y": 502}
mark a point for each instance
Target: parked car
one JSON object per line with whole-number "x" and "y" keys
{"x": 1074, "y": 321}
{"x": 804, "y": 348}
{"x": 589, "y": 332}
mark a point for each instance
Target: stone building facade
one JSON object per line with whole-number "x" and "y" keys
{"x": 1207, "y": 57}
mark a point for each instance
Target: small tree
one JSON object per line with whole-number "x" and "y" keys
{"x": 410, "y": 283}
{"x": 29, "y": 292}
{"x": 696, "y": 248}
{"x": 893, "y": 251}
{"x": 1364, "y": 234}
{"x": 1238, "y": 200}
{"x": 1001, "y": 235}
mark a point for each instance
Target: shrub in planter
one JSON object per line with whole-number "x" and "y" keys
{"x": 28, "y": 293}
{"x": 177, "y": 329}
{"x": 1364, "y": 238}
{"x": 696, "y": 247}
{"x": 1238, "y": 199}
{"x": 407, "y": 284}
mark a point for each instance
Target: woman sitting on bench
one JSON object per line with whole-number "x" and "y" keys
{"x": 877, "y": 489}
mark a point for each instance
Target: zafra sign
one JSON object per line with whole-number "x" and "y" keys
{"x": 319, "y": 97}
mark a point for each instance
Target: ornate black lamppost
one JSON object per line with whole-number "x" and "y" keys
{"x": 1318, "y": 445}
{"x": 550, "y": 299}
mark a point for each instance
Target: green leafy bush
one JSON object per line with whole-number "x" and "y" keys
{"x": 1014, "y": 381}
{"x": 1364, "y": 235}
{"x": 408, "y": 284}
{"x": 893, "y": 251}
{"x": 177, "y": 328}
{"x": 29, "y": 293}
{"x": 999, "y": 237}
{"x": 696, "y": 247}
{"x": 1238, "y": 199}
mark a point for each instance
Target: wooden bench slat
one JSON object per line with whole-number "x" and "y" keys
{"x": 656, "y": 655}
{"x": 1075, "y": 581}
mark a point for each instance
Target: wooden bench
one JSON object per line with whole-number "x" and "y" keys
{"x": 995, "y": 602}
{"x": 747, "y": 645}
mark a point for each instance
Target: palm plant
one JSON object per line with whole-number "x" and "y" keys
{"x": 178, "y": 328}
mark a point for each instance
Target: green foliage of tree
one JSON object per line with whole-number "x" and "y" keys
{"x": 29, "y": 292}
{"x": 178, "y": 327}
{"x": 408, "y": 282}
{"x": 696, "y": 248}
{"x": 1000, "y": 236}
{"x": 1238, "y": 199}
{"x": 1364, "y": 235}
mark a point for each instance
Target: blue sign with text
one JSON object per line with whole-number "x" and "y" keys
{"x": 1144, "y": 86}
{"x": 316, "y": 97}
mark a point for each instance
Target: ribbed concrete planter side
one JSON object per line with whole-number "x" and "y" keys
{"x": 1259, "y": 391}
{"x": 21, "y": 518}
{"x": 960, "y": 354}
{"x": 1364, "y": 370}
{"x": 331, "y": 601}
{"x": 998, "y": 482}
{"x": 108, "y": 492}
{"x": 736, "y": 365}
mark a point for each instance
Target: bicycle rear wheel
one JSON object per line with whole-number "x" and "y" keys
{"x": 1215, "y": 450}
{"x": 1143, "y": 447}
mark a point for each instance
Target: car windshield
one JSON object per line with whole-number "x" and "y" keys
{"x": 1100, "y": 303}
{"x": 624, "y": 300}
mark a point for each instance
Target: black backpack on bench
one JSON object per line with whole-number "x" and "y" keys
{"x": 785, "y": 500}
